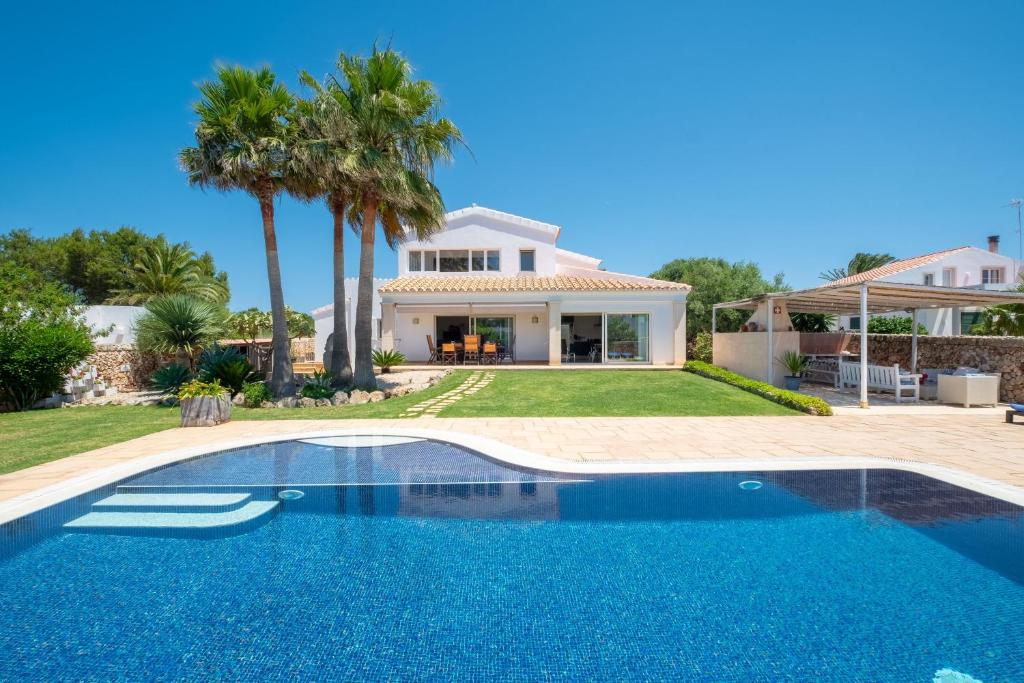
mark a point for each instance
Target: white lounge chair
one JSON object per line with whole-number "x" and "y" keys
{"x": 882, "y": 378}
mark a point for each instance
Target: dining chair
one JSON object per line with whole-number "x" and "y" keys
{"x": 448, "y": 353}
{"x": 471, "y": 348}
{"x": 434, "y": 355}
{"x": 490, "y": 354}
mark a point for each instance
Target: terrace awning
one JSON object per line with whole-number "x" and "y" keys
{"x": 864, "y": 299}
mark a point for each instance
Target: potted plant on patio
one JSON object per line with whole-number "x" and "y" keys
{"x": 204, "y": 404}
{"x": 796, "y": 364}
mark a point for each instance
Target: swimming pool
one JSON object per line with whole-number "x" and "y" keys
{"x": 421, "y": 560}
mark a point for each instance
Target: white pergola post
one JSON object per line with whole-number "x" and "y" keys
{"x": 771, "y": 355}
{"x": 714, "y": 317}
{"x": 864, "y": 346}
{"x": 913, "y": 341}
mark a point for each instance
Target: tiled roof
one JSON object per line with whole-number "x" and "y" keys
{"x": 558, "y": 283}
{"x": 894, "y": 268}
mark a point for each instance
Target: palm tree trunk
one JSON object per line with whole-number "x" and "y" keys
{"x": 282, "y": 382}
{"x": 341, "y": 366}
{"x": 364, "y": 308}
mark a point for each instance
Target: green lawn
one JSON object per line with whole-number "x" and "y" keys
{"x": 39, "y": 436}
{"x": 619, "y": 393}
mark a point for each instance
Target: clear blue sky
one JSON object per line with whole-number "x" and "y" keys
{"x": 791, "y": 134}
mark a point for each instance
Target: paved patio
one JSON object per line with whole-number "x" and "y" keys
{"x": 974, "y": 441}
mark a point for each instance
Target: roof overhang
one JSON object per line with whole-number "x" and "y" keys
{"x": 883, "y": 297}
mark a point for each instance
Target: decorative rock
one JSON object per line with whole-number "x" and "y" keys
{"x": 358, "y": 397}
{"x": 306, "y": 402}
{"x": 205, "y": 411}
{"x": 238, "y": 399}
{"x": 268, "y": 404}
{"x": 288, "y": 402}
{"x": 323, "y": 402}
{"x": 377, "y": 396}
{"x": 340, "y": 398}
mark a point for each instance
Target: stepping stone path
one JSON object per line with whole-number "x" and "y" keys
{"x": 432, "y": 406}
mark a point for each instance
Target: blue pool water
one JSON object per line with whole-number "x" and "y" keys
{"x": 425, "y": 562}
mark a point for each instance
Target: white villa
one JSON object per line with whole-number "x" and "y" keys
{"x": 969, "y": 267}
{"x": 503, "y": 277}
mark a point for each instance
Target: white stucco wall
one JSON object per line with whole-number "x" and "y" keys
{"x": 746, "y": 353}
{"x": 323, "y": 317}
{"x": 119, "y": 319}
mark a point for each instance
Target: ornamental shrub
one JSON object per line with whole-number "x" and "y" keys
{"x": 36, "y": 357}
{"x": 169, "y": 378}
{"x": 255, "y": 394}
{"x": 229, "y": 366}
{"x": 894, "y": 324}
{"x": 702, "y": 347}
{"x": 197, "y": 388}
{"x": 811, "y": 405}
{"x": 320, "y": 385}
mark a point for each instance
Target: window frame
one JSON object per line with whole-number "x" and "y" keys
{"x": 533, "y": 260}
{"x": 993, "y": 269}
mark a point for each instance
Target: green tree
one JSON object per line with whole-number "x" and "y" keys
{"x": 170, "y": 269}
{"x": 299, "y": 324}
{"x": 715, "y": 280}
{"x": 397, "y": 140}
{"x": 243, "y": 142}
{"x": 894, "y": 324}
{"x": 1006, "y": 320}
{"x": 179, "y": 324}
{"x": 249, "y": 324}
{"x": 812, "y": 322}
{"x": 860, "y": 263}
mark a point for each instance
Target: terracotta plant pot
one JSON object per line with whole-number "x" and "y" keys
{"x": 205, "y": 411}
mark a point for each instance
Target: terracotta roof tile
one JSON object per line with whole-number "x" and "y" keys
{"x": 558, "y": 283}
{"x": 894, "y": 268}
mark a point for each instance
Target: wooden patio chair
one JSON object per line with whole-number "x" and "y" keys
{"x": 449, "y": 354}
{"x": 435, "y": 356}
{"x": 471, "y": 349}
{"x": 490, "y": 354}
{"x": 508, "y": 352}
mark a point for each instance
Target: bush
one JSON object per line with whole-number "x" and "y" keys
{"x": 197, "y": 388}
{"x": 385, "y": 360}
{"x": 807, "y": 404}
{"x": 894, "y": 324}
{"x": 169, "y": 378}
{"x": 36, "y": 356}
{"x": 320, "y": 385}
{"x": 228, "y": 366}
{"x": 255, "y": 394}
{"x": 702, "y": 347}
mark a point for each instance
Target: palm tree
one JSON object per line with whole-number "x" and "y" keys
{"x": 397, "y": 140}
{"x": 326, "y": 166}
{"x": 860, "y": 263}
{"x": 179, "y": 324}
{"x": 242, "y": 143}
{"x": 169, "y": 269}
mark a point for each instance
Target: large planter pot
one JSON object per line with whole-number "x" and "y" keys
{"x": 205, "y": 411}
{"x": 792, "y": 383}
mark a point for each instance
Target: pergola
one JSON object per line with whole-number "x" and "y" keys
{"x": 864, "y": 299}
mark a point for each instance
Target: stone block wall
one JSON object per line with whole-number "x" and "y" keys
{"x": 1004, "y": 355}
{"x": 110, "y": 361}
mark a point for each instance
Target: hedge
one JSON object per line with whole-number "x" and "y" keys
{"x": 807, "y": 404}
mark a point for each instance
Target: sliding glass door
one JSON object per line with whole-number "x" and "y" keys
{"x": 498, "y": 330}
{"x": 627, "y": 337}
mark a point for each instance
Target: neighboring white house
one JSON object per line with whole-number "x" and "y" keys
{"x": 116, "y": 324}
{"x": 503, "y": 277}
{"x": 959, "y": 267}
{"x": 323, "y": 317}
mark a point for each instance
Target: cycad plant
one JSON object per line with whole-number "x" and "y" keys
{"x": 179, "y": 324}
{"x": 243, "y": 142}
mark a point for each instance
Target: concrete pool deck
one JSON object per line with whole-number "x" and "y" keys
{"x": 977, "y": 443}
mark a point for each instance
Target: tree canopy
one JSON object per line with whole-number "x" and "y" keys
{"x": 860, "y": 263}
{"x": 94, "y": 265}
{"x": 715, "y": 280}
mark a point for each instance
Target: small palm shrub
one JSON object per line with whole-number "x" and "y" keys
{"x": 198, "y": 388}
{"x": 320, "y": 385}
{"x": 169, "y": 378}
{"x": 228, "y": 366}
{"x": 179, "y": 324}
{"x": 255, "y": 394}
{"x": 385, "y": 360}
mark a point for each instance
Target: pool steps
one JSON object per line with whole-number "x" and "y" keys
{"x": 174, "y": 514}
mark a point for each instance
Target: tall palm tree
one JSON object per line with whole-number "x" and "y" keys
{"x": 242, "y": 143}
{"x": 397, "y": 138}
{"x": 169, "y": 269}
{"x": 325, "y": 166}
{"x": 860, "y": 263}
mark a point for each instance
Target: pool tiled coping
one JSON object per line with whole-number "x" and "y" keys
{"x": 975, "y": 450}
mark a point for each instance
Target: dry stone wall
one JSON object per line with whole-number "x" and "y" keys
{"x": 123, "y": 366}
{"x": 1004, "y": 355}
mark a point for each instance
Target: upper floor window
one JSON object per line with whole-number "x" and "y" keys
{"x": 948, "y": 277}
{"x": 527, "y": 261}
{"x": 455, "y": 260}
{"x": 992, "y": 276}
{"x": 929, "y": 279}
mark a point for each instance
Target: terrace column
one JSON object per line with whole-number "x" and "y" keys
{"x": 679, "y": 331}
{"x": 770, "y": 310}
{"x": 387, "y": 327}
{"x": 913, "y": 341}
{"x": 863, "y": 346}
{"x": 955, "y": 315}
{"x": 554, "y": 333}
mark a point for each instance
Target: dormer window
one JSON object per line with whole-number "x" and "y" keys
{"x": 992, "y": 276}
{"x": 527, "y": 261}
